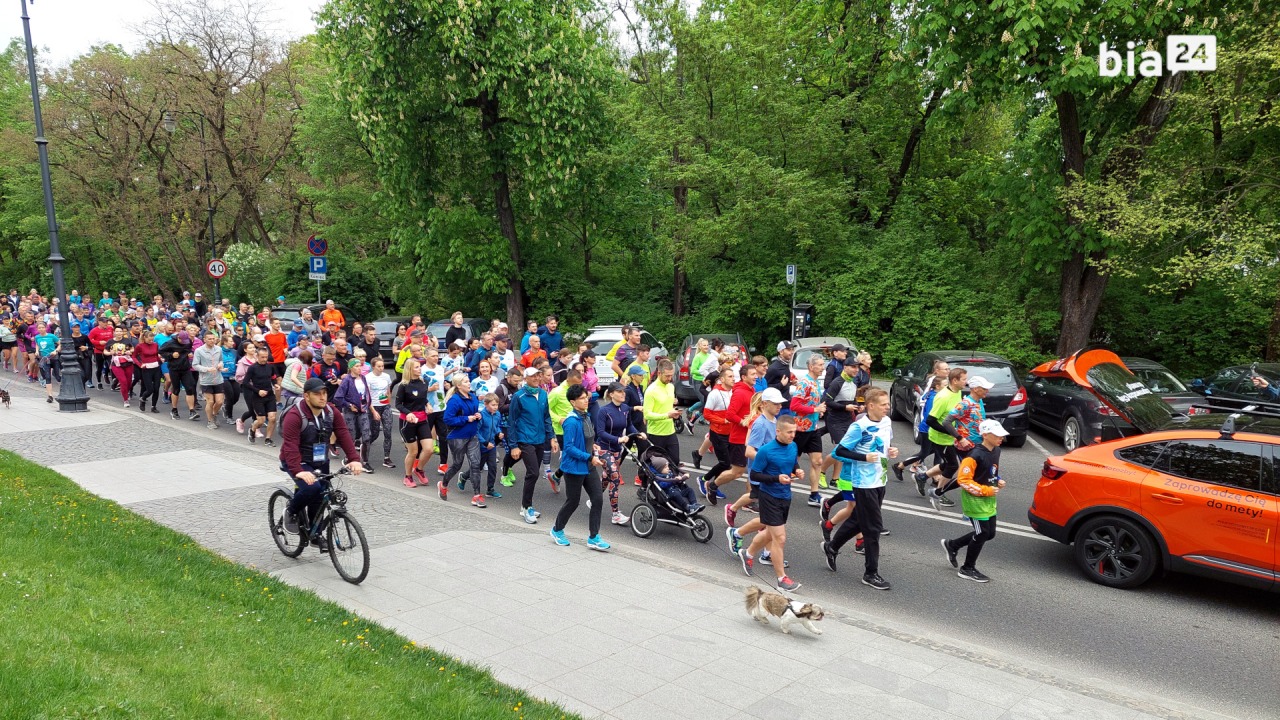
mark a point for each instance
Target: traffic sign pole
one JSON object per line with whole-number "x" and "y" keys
{"x": 792, "y": 280}
{"x": 318, "y": 264}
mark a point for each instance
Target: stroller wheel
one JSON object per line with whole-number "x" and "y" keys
{"x": 701, "y": 529}
{"x": 643, "y": 520}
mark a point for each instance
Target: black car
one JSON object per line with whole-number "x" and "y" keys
{"x": 473, "y": 327}
{"x": 288, "y": 313}
{"x": 1007, "y": 401}
{"x": 686, "y": 387}
{"x": 386, "y": 328}
{"x": 1232, "y": 388}
{"x": 1061, "y": 406}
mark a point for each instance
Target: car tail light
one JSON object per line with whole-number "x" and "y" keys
{"x": 684, "y": 363}
{"x": 1105, "y": 411}
{"x": 1051, "y": 471}
{"x": 1019, "y": 398}
{"x": 1197, "y": 411}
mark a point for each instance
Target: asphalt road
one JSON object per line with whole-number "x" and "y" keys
{"x": 1203, "y": 643}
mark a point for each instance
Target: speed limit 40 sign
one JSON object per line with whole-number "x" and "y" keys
{"x": 216, "y": 269}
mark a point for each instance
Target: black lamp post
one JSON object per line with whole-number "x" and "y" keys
{"x": 72, "y": 396}
{"x": 171, "y": 124}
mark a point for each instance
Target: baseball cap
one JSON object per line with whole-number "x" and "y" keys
{"x": 280, "y": 298}
{"x": 530, "y": 372}
{"x": 977, "y": 381}
{"x": 313, "y": 385}
{"x": 771, "y": 395}
{"x": 839, "y": 347}
{"x": 175, "y": 316}
{"x": 992, "y": 427}
{"x": 786, "y": 345}
{"x": 635, "y": 370}
{"x": 460, "y": 343}
{"x": 199, "y": 295}
{"x": 297, "y": 323}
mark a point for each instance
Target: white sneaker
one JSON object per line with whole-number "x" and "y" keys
{"x": 239, "y": 426}
{"x": 529, "y": 516}
{"x": 260, "y": 434}
{"x": 620, "y": 519}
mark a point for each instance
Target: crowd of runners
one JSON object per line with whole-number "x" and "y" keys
{"x": 486, "y": 405}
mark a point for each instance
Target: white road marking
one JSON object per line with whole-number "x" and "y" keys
{"x": 925, "y": 512}
{"x": 1039, "y": 447}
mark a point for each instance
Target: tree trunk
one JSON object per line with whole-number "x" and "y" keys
{"x": 1272, "y": 353}
{"x": 506, "y": 211}
{"x": 908, "y": 154}
{"x": 1083, "y": 285}
{"x": 681, "y": 196}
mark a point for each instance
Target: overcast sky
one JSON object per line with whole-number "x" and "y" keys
{"x": 68, "y": 28}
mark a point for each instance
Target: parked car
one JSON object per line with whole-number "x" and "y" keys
{"x": 601, "y": 340}
{"x": 1187, "y": 494}
{"x": 288, "y": 313}
{"x": 1232, "y": 388}
{"x": 686, "y": 388}
{"x": 386, "y": 328}
{"x": 1059, "y": 405}
{"x": 473, "y": 327}
{"x": 807, "y": 346}
{"x": 1006, "y": 402}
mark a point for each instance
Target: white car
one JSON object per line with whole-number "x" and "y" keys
{"x": 807, "y": 346}
{"x": 601, "y": 340}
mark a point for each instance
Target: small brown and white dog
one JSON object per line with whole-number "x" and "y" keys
{"x": 761, "y": 604}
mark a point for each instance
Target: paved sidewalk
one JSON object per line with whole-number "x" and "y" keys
{"x": 628, "y": 634}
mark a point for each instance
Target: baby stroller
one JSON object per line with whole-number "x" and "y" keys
{"x": 654, "y": 506}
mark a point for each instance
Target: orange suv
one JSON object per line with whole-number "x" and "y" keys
{"x": 1170, "y": 493}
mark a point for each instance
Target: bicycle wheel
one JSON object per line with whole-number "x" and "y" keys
{"x": 290, "y": 544}
{"x": 347, "y": 547}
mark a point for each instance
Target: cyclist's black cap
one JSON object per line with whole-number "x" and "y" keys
{"x": 314, "y": 385}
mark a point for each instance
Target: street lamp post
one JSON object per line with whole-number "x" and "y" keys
{"x": 72, "y": 396}
{"x": 171, "y": 124}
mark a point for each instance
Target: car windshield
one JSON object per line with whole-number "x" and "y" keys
{"x": 385, "y": 326}
{"x": 801, "y": 358}
{"x": 1126, "y": 393}
{"x": 1160, "y": 381}
{"x": 996, "y": 373}
{"x": 438, "y": 329}
{"x": 601, "y": 347}
{"x": 283, "y": 315}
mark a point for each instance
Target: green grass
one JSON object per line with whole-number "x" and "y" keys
{"x": 105, "y": 614}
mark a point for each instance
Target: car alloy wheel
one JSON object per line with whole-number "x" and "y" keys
{"x": 1116, "y": 552}
{"x": 1071, "y": 433}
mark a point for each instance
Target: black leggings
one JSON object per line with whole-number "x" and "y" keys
{"x": 983, "y": 531}
{"x": 442, "y": 434}
{"x": 151, "y": 380}
{"x": 531, "y": 456}
{"x": 573, "y": 485}
{"x": 926, "y": 449}
{"x": 103, "y": 369}
{"x": 720, "y": 446}
{"x": 866, "y": 519}
{"x": 231, "y": 395}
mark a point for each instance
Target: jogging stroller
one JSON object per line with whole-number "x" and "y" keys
{"x": 654, "y": 506}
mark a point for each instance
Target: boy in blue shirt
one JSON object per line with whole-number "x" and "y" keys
{"x": 774, "y": 467}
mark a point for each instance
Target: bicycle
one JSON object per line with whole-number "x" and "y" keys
{"x": 345, "y": 537}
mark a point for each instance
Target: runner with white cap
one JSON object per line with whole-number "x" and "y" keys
{"x": 979, "y": 477}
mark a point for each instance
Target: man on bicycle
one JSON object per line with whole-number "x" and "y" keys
{"x": 305, "y": 430}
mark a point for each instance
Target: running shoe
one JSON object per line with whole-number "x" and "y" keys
{"x": 619, "y": 519}
{"x": 825, "y": 510}
{"x": 884, "y": 532}
{"x": 702, "y": 487}
{"x": 787, "y": 584}
{"x": 598, "y": 543}
{"x": 269, "y": 442}
{"x": 826, "y": 531}
{"x": 935, "y": 500}
{"x": 290, "y": 523}
{"x": 822, "y": 481}
{"x": 637, "y": 481}
{"x": 710, "y": 491}
{"x": 443, "y": 489}
{"x": 442, "y": 469}
{"x": 260, "y": 434}
{"x": 252, "y": 437}
{"x": 730, "y": 515}
{"x": 830, "y": 554}
{"x": 555, "y": 485}
{"x": 767, "y": 559}
{"x": 462, "y": 480}
{"x": 945, "y": 501}
{"x": 558, "y": 536}
{"x": 753, "y": 507}
{"x": 697, "y": 462}
{"x": 386, "y": 463}
{"x": 815, "y": 500}
{"x": 921, "y": 481}
{"x": 193, "y": 416}
{"x": 735, "y": 542}
{"x": 951, "y": 554}
{"x": 747, "y": 563}
{"x": 972, "y": 574}
{"x": 528, "y": 516}
{"x": 536, "y": 514}
{"x": 494, "y": 494}
{"x": 719, "y": 495}
{"x": 875, "y": 581}
{"x": 860, "y": 546}
{"x": 174, "y": 414}
{"x": 418, "y": 475}
{"x": 509, "y": 479}
{"x": 897, "y": 472}
{"x": 211, "y": 424}
{"x": 478, "y": 501}
{"x": 409, "y": 482}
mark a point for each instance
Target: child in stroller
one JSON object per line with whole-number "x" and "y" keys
{"x": 674, "y": 484}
